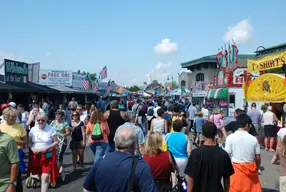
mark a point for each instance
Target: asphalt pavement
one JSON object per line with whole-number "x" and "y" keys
{"x": 269, "y": 177}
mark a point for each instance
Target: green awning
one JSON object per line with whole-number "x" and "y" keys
{"x": 211, "y": 94}
{"x": 220, "y": 93}
{"x": 223, "y": 92}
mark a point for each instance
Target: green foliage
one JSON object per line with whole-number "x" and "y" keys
{"x": 133, "y": 88}
{"x": 91, "y": 76}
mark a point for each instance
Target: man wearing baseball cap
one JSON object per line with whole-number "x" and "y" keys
{"x": 12, "y": 104}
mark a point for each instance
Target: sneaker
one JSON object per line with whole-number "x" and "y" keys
{"x": 259, "y": 172}
{"x": 266, "y": 149}
{"x": 272, "y": 150}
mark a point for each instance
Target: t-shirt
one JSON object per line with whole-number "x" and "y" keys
{"x": 207, "y": 165}
{"x": 17, "y": 131}
{"x": 42, "y": 138}
{"x": 8, "y": 156}
{"x": 192, "y": 111}
{"x": 199, "y": 121}
{"x": 233, "y": 126}
{"x": 160, "y": 165}
{"x": 139, "y": 134}
{"x": 217, "y": 120}
{"x": 177, "y": 144}
{"x": 112, "y": 173}
{"x": 242, "y": 147}
{"x": 255, "y": 116}
{"x": 281, "y": 133}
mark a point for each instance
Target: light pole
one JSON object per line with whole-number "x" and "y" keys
{"x": 171, "y": 84}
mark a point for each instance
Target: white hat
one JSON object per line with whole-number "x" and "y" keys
{"x": 12, "y": 104}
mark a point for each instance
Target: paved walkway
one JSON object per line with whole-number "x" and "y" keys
{"x": 269, "y": 177}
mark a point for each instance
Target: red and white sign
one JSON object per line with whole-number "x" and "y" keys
{"x": 238, "y": 77}
{"x": 55, "y": 77}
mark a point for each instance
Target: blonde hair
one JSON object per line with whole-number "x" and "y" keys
{"x": 153, "y": 144}
{"x": 216, "y": 111}
{"x": 9, "y": 112}
{"x": 96, "y": 116}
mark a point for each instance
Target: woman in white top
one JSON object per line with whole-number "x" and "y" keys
{"x": 268, "y": 120}
{"x": 43, "y": 142}
{"x": 159, "y": 124}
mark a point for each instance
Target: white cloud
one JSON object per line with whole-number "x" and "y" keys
{"x": 7, "y": 55}
{"x": 48, "y": 54}
{"x": 240, "y": 33}
{"x": 166, "y": 47}
{"x": 163, "y": 65}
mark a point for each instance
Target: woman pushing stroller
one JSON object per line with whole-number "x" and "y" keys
{"x": 43, "y": 142}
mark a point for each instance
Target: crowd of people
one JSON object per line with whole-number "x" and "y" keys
{"x": 139, "y": 145}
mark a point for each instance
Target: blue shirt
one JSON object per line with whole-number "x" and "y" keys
{"x": 112, "y": 173}
{"x": 199, "y": 121}
{"x": 177, "y": 144}
{"x": 139, "y": 134}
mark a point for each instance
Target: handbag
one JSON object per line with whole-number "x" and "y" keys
{"x": 131, "y": 179}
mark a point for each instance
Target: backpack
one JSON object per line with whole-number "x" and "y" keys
{"x": 150, "y": 112}
{"x": 96, "y": 132}
{"x": 175, "y": 117}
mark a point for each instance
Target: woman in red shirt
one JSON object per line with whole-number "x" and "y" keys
{"x": 159, "y": 161}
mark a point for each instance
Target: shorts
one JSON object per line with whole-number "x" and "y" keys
{"x": 269, "y": 131}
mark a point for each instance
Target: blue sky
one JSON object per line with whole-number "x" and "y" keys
{"x": 87, "y": 35}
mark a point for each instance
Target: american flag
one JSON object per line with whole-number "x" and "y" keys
{"x": 96, "y": 85}
{"x": 108, "y": 87}
{"x": 103, "y": 73}
{"x": 85, "y": 83}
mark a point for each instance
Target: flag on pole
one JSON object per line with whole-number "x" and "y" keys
{"x": 108, "y": 87}
{"x": 85, "y": 83}
{"x": 103, "y": 73}
{"x": 96, "y": 85}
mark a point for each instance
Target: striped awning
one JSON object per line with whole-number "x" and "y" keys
{"x": 220, "y": 93}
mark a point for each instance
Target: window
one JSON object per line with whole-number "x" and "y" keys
{"x": 200, "y": 77}
{"x": 183, "y": 83}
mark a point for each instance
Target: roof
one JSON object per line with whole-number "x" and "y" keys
{"x": 210, "y": 59}
{"x": 64, "y": 89}
{"x": 272, "y": 47}
{"x": 4, "y": 88}
{"x": 29, "y": 87}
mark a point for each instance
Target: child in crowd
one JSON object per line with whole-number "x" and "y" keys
{"x": 198, "y": 124}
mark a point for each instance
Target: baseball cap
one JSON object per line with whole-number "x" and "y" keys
{"x": 12, "y": 104}
{"x": 253, "y": 105}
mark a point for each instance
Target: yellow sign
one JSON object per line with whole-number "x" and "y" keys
{"x": 267, "y": 88}
{"x": 276, "y": 60}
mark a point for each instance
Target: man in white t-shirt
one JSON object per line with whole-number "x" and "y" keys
{"x": 244, "y": 151}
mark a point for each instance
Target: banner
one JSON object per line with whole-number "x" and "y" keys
{"x": 55, "y": 77}
{"x": 77, "y": 80}
{"x": 272, "y": 61}
{"x": 267, "y": 88}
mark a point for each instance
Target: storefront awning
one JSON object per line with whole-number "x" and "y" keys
{"x": 220, "y": 93}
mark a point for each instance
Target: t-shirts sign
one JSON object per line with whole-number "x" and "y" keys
{"x": 55, "y": 77}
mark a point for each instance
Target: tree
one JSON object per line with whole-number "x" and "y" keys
{"x": 92, "y": 76}
{"x": 133, "y": 88}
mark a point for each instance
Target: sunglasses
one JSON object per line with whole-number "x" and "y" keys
{"x": 74, "y": 115}
{"x": 41, "y": 120}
